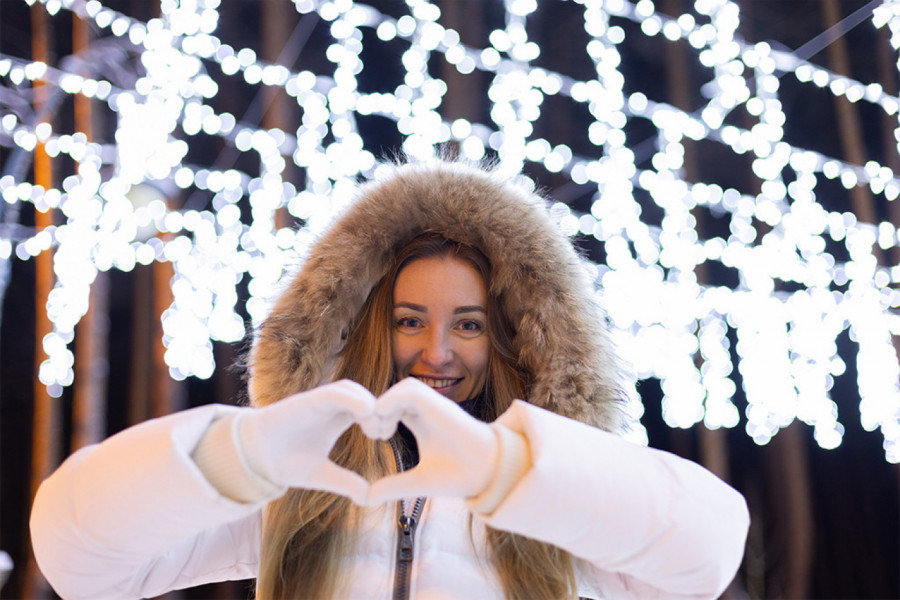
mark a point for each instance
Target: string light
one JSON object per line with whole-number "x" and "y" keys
{"x": 667, "y": 323}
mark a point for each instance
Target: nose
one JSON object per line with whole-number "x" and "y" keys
{"x": 437, "y": 351}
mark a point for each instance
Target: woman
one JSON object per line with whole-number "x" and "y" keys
{"x": 442, "y": 287}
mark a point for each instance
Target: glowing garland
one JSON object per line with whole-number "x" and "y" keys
{"x": 663, "y": 317}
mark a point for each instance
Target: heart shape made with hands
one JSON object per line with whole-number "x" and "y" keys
{"x": 457, "y": 453}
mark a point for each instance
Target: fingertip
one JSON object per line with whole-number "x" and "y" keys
{"x": 409, "y": 383}
{"x": 355, "y": 398}
{"x": 377, "y": 428}
{"x": 373, "y": 500}
{"x": 351, "y": 385}
{"x": 360, "y": 498}
{"x": 376, "y": 497}
{"x": 398, "y": 397}
{"x": 388, "y": 431}
{"x": 352, "y": 389}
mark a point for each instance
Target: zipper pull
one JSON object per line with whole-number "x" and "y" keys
{"x": 407, "y": 537}
{"x": 403, "y": 572}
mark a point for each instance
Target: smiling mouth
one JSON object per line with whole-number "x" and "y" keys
{"x": 438, "y": 384}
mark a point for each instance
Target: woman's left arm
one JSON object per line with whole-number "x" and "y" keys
{"x": 651, "y": 523}
{"x": 653, "y": 518}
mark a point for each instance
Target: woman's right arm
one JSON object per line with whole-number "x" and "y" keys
{"x": 175, "y": 501}
{"x": 135, "y": 517}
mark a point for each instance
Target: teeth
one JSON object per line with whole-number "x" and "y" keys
{"x": 437, "y": 383}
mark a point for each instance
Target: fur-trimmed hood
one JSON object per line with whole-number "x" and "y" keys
{"x": 560, "y": 336}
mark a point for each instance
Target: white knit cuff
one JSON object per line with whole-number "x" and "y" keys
{"x": 219, "y": 457}
{"x": 513, "y": 461}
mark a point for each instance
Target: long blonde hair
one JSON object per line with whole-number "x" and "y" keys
{"x": 308, "y": 534}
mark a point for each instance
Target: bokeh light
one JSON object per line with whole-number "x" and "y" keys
{"x": 669, "y": 322}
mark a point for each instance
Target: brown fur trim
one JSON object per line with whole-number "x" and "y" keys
{"x": 541, "y": 282}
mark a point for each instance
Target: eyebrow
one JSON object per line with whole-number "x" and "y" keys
{"x": 456, "y": 311}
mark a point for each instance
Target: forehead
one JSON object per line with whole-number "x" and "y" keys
{"x": 438, "y": 279}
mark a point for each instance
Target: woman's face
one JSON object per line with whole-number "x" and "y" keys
{"x": 439, "y": 333}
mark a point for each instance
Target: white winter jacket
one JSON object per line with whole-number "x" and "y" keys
{"x": 134, "y": 517}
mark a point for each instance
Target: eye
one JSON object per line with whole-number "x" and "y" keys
{"x": 407, "y": 323}
{"x": 470, "y": 327}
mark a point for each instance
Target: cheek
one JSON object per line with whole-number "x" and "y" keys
{"x": 401, "y": 352}
{"x": 477, "y": 357}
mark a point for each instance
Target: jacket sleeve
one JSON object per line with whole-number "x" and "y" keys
{"x": 134, "y": 517}
{"x": 650, "y": 524}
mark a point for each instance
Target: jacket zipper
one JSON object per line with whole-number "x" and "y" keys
{"x": 407, "y": 522}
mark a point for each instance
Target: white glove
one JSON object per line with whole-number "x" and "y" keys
{"x": 457, "y": 453}
{"x": 288, "y": 442}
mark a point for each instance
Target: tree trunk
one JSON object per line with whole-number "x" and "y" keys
{"x": 91, "y": 360}
{"x": 462, "y": 100}
{"x": 849, "y": 126}
{"x": 791, "y": 500}
{"x": 45, "y": 451}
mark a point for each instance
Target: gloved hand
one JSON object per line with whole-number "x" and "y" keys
{"x": 288, "y": 442}
{"x": 457, "y": 453}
